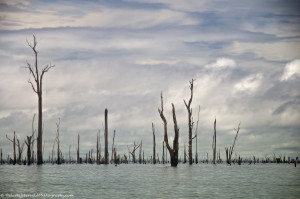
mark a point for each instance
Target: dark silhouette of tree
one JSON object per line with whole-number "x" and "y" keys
{"x": 38, "y": 78}
{"x": 173, "y": 151}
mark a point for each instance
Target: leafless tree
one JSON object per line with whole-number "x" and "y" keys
{"x": 190, "y": 121}
{"x": 14, "y": 147}
{"x": 229, "y": 150}
{"x": 106, "y": 138}
{"x": 173, "y": 151}
{"x": 77, "y": 150}
{"x": 133, "y": 151}
{"x": 153, "y": 130}
{"x": 196, "y": 136}
{"x": 112, "y": 147}
{"x": 38, "y": 78}
{"x": 58, "y": 143}
{"x": 214, "y": 143}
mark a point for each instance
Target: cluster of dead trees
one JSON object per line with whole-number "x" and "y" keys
{"x": 116, "y": 158}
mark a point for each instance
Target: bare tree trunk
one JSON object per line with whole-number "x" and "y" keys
{"x": 112, "y": 147}
{"x": 38, "y": 78}
{"x": 184, "y": 154}
{"x": 1, "y": 156}
{"x": 98, "y": 157}
{"x": 153, "y": 130}
{"x": 14, "y": 147}
{"x": 69, "y": 154}
{"x": 229, "y": 150}
{"x": 214, "y": 145}
{"x": 106, "y": 139}
{"x": 133, "y": 152}
{"x": 140, "y": 153}
{"x": 58, "y": 142}
{"x": 173, "y": 151}
{"x": 190, "y": 122}
{"x": 163, "y": 155}
{"x": 196, "y": 136}
{"x": 78, "y": 158}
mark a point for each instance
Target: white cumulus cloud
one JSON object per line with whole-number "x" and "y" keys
{"x": 291, "y": 68}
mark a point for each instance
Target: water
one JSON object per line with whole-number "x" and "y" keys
{"x": 152, "y": 181}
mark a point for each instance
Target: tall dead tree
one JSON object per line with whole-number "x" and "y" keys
{"x": 140, "y": 154}
{"x": 14, "y": 147}
{"x": 38, "y": 78}
{"x": 98, "y": 142}
{"x": 214, "y": 143}
{"x": 78, "y": 158}
{"x": 106, "y": 138}
{"x": 153, "y": 130}
{"x": 112, "y": 147}
{"x": 184, "y": 154}
{"x": 196, "y": 136}
{"x": 229, "y": 150}
{"x": 173, "y": 151}
{"x": 1, "y": 156}
{"x": 133, "y": 151}
{"x": 58, "y": 143}
{"x": 20, "y": 151}
{"x": 190, "y": 122}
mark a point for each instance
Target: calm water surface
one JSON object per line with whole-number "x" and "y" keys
{"x": 153, "y": 181}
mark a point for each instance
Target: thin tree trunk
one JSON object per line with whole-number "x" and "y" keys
{"x": 1, "y": 156}
{"x": 214, "y": 143}
{"x": 112, "y": 147}
{"x": 190, "y": 122}
{"x": 153, "y": 130}
{"x": 106, "y": 138}
{"x": 78, "y": 158}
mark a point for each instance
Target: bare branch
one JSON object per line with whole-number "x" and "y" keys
{"x": 9, "y": 139}
{"x": 32, "y": 86}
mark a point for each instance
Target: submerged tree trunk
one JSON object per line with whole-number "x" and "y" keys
{"x": 173, "y": 151}
{"x": 190, "y": 122}
{"x": 38, "y": 78}
{"x": 153, "y": 130}
{"x": 133, "y": 152}
{"x": 14, "y": 147}
{"x": 106, "y": 138}
{"x": 78, "y": 158}
{"x": 229, "y": 150}
{"x": 214, "y": 144}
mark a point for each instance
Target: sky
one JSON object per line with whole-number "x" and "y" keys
{"x": 120, "y": 55}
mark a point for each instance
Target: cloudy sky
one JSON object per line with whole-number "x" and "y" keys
{"x": 120, "y": 55}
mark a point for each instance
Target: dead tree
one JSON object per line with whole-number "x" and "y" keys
{"x": 153, "y": 130}
{"x": 106, "y": 139}
{"x": 196, "y": 136}
{"x": 28, "y": 143}
{"x": 133, "y": 151}
{"x": 58, "y": 143}
{"x": 112, "y": 147}
{"x": 163, "y": 155}
{"x": 20, "y": 151}
{"x": 98, "y": 141}
{"x": 229, "y": 150}
{"x": 184, "y": 154}
{"x": 69, "y": 154}
{"x": 78, "y": 158}
{"x": 190, "y": 121}
{"x": 1, "y": 156}
{"x": 173, "y": 151}
{"x": 214, "y": 143}
{"x": 14, "y": 147}
{"x": 140, "y": 153}
{"x": 38, "y": 78}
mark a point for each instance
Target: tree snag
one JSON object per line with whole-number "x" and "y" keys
{"x": 14, "y": 147}
{"x": 214, "y": 143}
{"x": 153, "y": 130}
{"x": 173, "y": 151}
{"x": 106, "y": 139}
{"x": 190, "y": 122}
{"x": 38, "y": 78}
{"x": 133, "y": 151}
{"x": 58, "y": 143}
{"x": 229, "y": 150}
